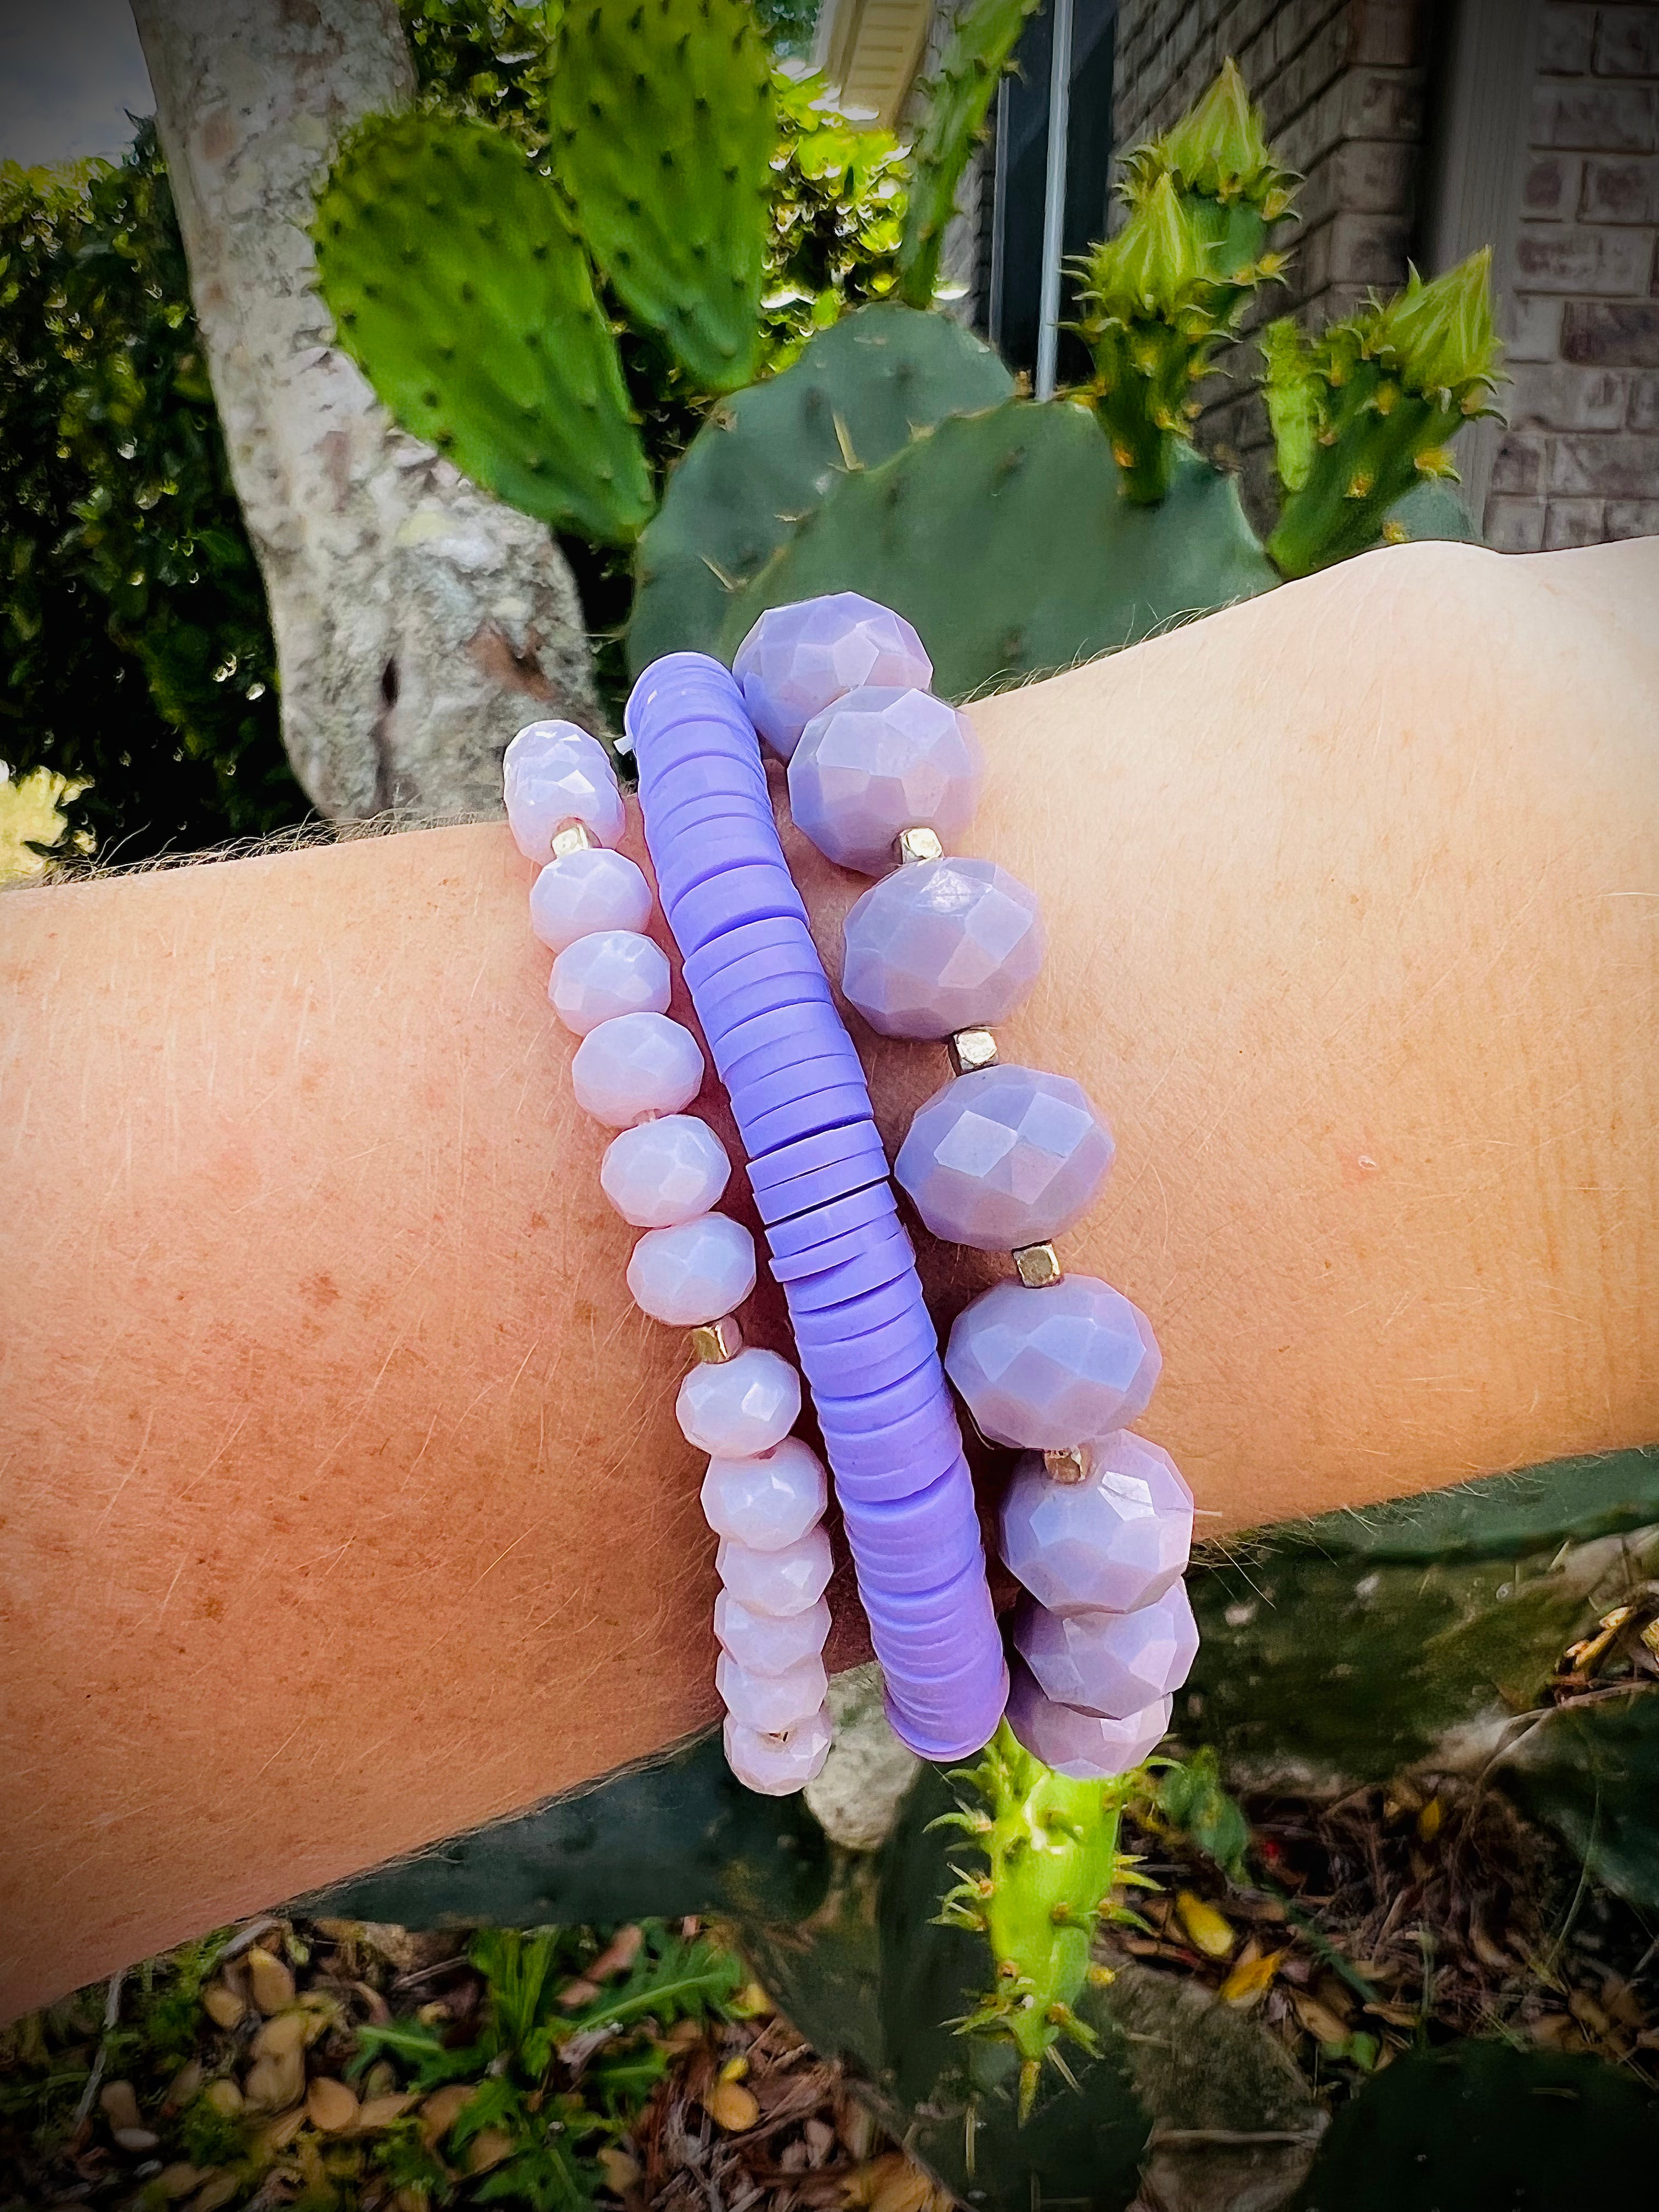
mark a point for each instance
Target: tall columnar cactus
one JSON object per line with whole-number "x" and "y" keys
{"x": 980, "y": 45}
{"x": 459, "y": 288}
{"x": 1383, "y": 392}
{"x": 1051, "y": 1862}
{"x": 663, "y": 126}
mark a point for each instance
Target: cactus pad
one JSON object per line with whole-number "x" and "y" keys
{"x": 1003, "y": 538}
{"x": 459, "y": 288}
{"x": 981, "y": 47}
{"x": 859, "y": 392}
{"x": 663, "y": 126}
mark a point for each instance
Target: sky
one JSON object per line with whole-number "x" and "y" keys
{"x": 70, "y": 70}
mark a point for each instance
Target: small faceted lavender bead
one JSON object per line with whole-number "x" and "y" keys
{"x": 1003, "y": 1157}
{"x": 798, "y": 659}
{"x": 779, "y": 1584}
{"x": 665, "y": 1171}
{"x": 762, "y": 1642}
{"x": 614, "y": 971}
{"x": 1079, "y": 1745}
{"x": 693, "y": 1273}
{"x": 554, "y": 772}
{"x": 1111, "y": 1664}
{"x": 1113, "y": 1542}
{"x": 879, "y": 762}
{"x": 1048, "y": 1369}
{"x": 635, "y": 1063}
{"x": 942, "y": 945}
{"x": 768, "y": 1502}
{"x": 770, "y": 1704}
{"x": 779, "y": 1766}
{"x": 581, "y": 892}
{"x": 739, "y": 1407}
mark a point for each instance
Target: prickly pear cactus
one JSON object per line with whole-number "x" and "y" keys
{"x": 459, "y": 288}
{"x": 663, "y": 131}
{"x": 980, "y": 47}
{"x": 860, "y": 391}
{"x": 1052, "y": 1862}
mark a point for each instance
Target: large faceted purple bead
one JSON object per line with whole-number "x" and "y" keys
{"x": 1004, "y": 1157}
{"x": 1109, "y": 1663}
{"x": 1048, "y": 1368}
{"x": 942, "y": 945}
{"x": 1115, "y": 1541}
{"x": 880, "y": 761}
{"x": 798, "y": 659}
{"x": 1079, "y": 1745}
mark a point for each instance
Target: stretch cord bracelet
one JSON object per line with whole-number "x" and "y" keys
{"x": 819, "y": 1178}
{"x": 1097, "y": 1524}
{"x": 635, "y": 1070}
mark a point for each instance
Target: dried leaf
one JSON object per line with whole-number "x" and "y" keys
{"x": 269, "y": 1979}
{"x": 222, "y": 2005}
{"x": 1249, "y": 1980}
{"x": 1207, "y": 1929}
{"x": 331, "y": 2106}
{"x": 1318, "y": 2019}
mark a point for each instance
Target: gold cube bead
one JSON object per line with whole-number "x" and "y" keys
{"x": 1068, "y": 1466}
{"x": 969, "y": 1049}
{"x": 714, "y": 1342}
{"x": 572, "y": 837}
{"x": 919, "y": 845}
{"x": 1038, "y": 1265}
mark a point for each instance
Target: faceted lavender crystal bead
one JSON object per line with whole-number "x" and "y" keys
{"x": 1004, "y": 1157}
{"x": 879, "y": 761}
{"x": 778, "y": 1765}
{"x": 581, "y": 892}
{"x": 769, "y": 1704}
{"x": 694, "y": 1273}
{"x": 768, "y": 1502}
{"x": 614, "y": 971}
{"x": 1051, "y": 1368}
{"x": 1111, "y": 1664}
{"x": 554, "y": 772}
{"x": 798, "y": 659}
{"x": 635, "y": 1063}
{"x": 1078, "y": 1745}
{"x": 1113, "y": 1542}
{"x": 942, "y": 945}
{"x": 763, "y": 1642}
{"x": 780, "y": 1583}
{"x": 665, "y": 1171}
{"x": 741, "y": 1406}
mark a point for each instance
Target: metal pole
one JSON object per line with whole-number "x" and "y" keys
{"x": 1053, "y": 197}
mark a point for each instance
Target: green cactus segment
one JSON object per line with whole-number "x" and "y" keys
{"x": 1390, "y": 387}
{"x": 980, "y": 48}
{"x": 858, "y": 393}
{"x": 1051, "y": 1862}
{"x": 663, "y": 126}
{"x": 1291, "y": 389}
{"x": 457, "y": 287}
{"x": 1001, "y": 535}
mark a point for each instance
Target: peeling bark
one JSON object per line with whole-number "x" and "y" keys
{"x": 418, "y": 621}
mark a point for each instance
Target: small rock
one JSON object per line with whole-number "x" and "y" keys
{"x": 620, "y": 2171}
{"x": 379, "y": 2080}
{"x": 731, "y": 2106}
{"x": 118, "y": 2101}
{"x": 442, "y": 2109}
{"x": 487, "y": 2149}
{"x": 185, "y": 2085}
{"x": 279, "y": 2133}
{"x": 135, "y": 2139}
{"x": 280, "y": 2036}
{"x": 820, "y": 2140}
{"x": 329, "y": 2105}
{"x": 270, "y": 1981}
{"x": 178, "y": 2179}
{"x": 225, "y": 2096}
{"x": 222, "y": 2005}
{"x": 218, "y": 2190}
{"x": 380, "y": 2112}
{"x": 274, "y": 2084}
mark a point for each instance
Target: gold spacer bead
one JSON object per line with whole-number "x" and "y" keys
{"x": 714, "y": 1342}
{"x": 919, "y": 844}
{"x": 1068, "y": 1466}
{"x": 969, "y": 1049}
{"x": 573, "y": 836}
{"x": 1038, "y": 1265}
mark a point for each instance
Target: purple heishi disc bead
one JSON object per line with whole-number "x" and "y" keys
{"x": 1079, "y": 1745}
{"x": 1111, "y": 1664}
{"x": 1004, "y": 1157}
{"x": 1048, "y": 1368}
{"x": 798, "y": 659}
{"x": 942, "y": 945}
{"x": 879, "y": 762}
{"x": 1113, "y": 1541}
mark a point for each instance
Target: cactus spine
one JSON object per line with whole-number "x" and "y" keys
{"x": 1052, "y": 1862}
{"x": 663, "y": 126}
{"x": 980, "y": 45}
{"x": 1381, "y": 394}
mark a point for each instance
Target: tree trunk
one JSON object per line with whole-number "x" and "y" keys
{"x": 418, "y": 622}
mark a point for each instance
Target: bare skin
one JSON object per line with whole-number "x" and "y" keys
{"x": 342, "y": 1504}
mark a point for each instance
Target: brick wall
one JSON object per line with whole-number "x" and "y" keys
{"x": 1580, "y": 463}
